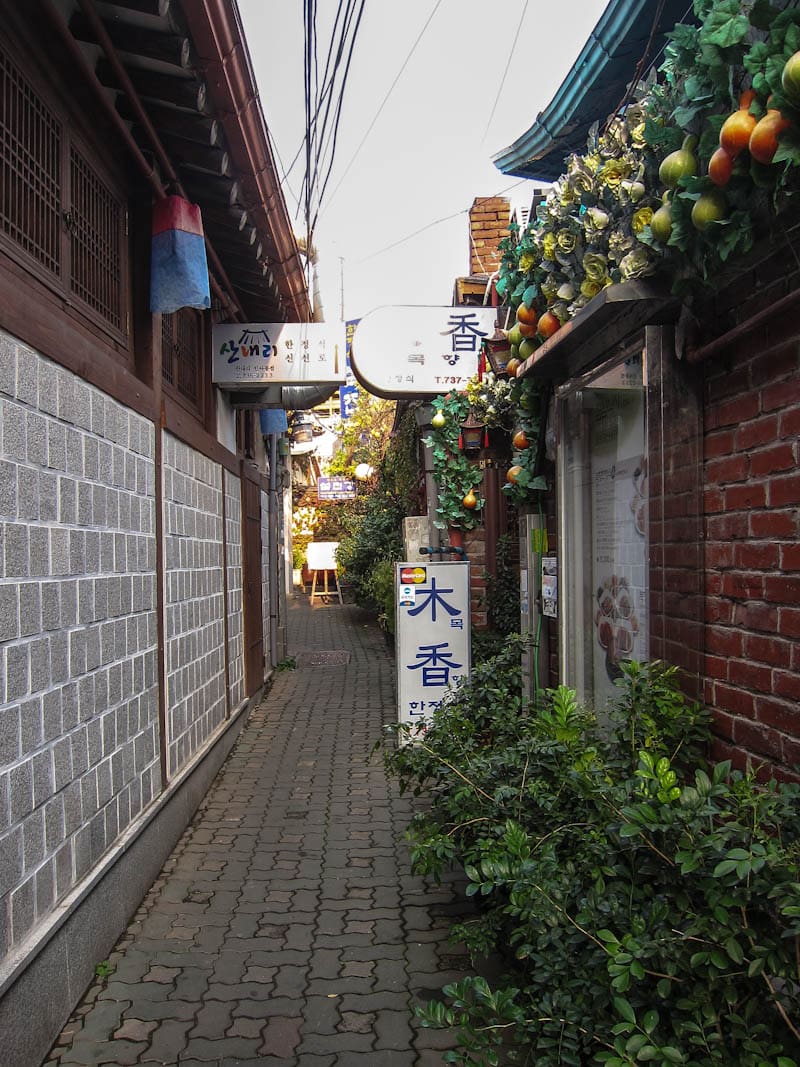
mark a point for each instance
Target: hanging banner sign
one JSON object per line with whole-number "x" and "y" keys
{"x": 432, "y": 635}
{"x": 336, "y": 489}
{"x": 419, "y": 351}
{"x": 348, "y": 393}
{"x": 253, "y": 355}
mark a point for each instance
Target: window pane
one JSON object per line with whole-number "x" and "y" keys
{"x": 30, "y": 160}
{"x": 181, "y": 352}
{"x": 95, "y": 225}
{"x": 605, "y": 474}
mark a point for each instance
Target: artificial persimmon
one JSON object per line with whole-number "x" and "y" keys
{"x": 763, "y": 142}
{"x": 512, "y": 367}
{"x": 734, "y": 136}
{"x": 520, "y": 440}
{"x": 513, "y": 473}
{"x": 720, "y": 167}
{"x": 527, "y": 315}
{"x": 527, "y": 329}
{"x": 548, "y": 324}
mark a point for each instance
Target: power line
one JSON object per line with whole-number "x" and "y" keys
{"x": 505, "y": 72}
{"x": 430, "y": 225}
{"x": 384, "y": 101}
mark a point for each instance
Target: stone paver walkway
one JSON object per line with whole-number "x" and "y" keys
{"x": 286, "y": 928}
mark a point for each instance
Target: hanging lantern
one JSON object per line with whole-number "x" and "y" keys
{"x": 470, "y": 439}
{"x": 498, "y": 351}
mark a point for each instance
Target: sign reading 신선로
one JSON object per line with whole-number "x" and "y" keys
{"x": 253, "y": 355}
{"x": 419, "y": 351}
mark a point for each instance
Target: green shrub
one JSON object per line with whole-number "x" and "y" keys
{"x": 650, "y": 902}
{"x": 372, "y": 535}
{"x": 381, "y": 592}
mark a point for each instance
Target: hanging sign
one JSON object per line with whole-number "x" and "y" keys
{"x": 336, "y": 489}
{"x": 419, "y": 351}
{"x": 253, "y": 355}
{"x": 432, "y": 635}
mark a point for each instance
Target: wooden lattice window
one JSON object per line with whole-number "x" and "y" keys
{"x": 182, "y": 353}
{"x": 95, "y": 222}
{"x": 30, "y": 169}
{"x": 58, "y": 216}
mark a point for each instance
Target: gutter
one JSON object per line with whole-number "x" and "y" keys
{"x": 216, "y": 30}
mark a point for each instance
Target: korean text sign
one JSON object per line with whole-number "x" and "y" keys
{"x": 250, "y": 355}
{"x": 432, "y": 635}
{"x": 419, "y": 351}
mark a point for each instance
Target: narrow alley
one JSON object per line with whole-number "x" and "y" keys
{"x": 286, "y": 927}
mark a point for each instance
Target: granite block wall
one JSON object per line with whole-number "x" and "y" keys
{"x": 79, "y": 746}
{"x": 233, "y": 549}
{"x": 194, "y": 659}
{"x": 265, "y": 577}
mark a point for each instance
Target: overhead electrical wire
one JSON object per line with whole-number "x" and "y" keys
{"x": 430, "y": 225}
{"x": 407, "y": 60}
{"x": 505, "y": 72}
{"x": 323, "y": 100}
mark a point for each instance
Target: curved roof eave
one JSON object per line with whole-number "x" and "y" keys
{"x": 592, "y": 89}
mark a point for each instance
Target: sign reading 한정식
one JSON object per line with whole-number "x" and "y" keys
{"x": 432, "y": 635}
{"x": 252, "y": 355}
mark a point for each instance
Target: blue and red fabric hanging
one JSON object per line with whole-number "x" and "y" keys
{"x": 178, "y": 267}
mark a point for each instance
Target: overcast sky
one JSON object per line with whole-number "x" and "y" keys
{"x": 429, "y": 153}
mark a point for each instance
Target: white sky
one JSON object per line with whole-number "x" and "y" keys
{"x": 429, "y": 153}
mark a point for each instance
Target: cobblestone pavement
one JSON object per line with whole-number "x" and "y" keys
{"x": 286, "y": 927}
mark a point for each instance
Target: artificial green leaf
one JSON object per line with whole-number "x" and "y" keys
{"x": 623, "y": 1007}
{"x": 650, "y": 1021}
{"x": 530, "y": 295}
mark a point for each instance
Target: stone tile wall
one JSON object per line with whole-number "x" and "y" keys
{"x": 194, "y": 660}
{"x": 265, "y": 578}
{"x": 233, "y": 548}
{"x": 79, "y": 747}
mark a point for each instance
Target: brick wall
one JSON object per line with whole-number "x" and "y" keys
{"x": 488, "y": 225}
{"x": 79, "y": 748}
{"x": 194, "y": 660}
{"x": 752, "y": 559}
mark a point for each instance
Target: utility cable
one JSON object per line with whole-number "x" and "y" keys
{"x": 505, "y": 72}
{"x": 384, "y": 101}
{"x": 430, "y": 225}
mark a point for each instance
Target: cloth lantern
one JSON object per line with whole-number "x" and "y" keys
{"x": 178, "y": 267}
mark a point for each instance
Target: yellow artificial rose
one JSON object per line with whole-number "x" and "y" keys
{"x": 641, "y": 218}
{"x": 590, "y": 289}
{"x": 595, "y": 268}
{"x": 549, "y": 245}
{"x": 613, "y": 171}
{"x": 566, "y": 241}
{"x": 526, "y": 261}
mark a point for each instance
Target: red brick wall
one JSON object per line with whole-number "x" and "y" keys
{"x": 751, "y": 554}
{"x": 488, "y": 225}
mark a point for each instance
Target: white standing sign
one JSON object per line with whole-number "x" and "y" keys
{"x": 432, "y": 636}
{"x": 252, "y": 355}
{"x": 419, "y": 351}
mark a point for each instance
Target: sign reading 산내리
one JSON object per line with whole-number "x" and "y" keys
{"x": 419, "y": 351}
{"x": 432, "y": 635}
{"x": 253, "y": 355}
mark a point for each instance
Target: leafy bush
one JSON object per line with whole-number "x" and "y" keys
{"x": 372, "y": 535}
{"x": 651, "y": 903}
{"x": 381, "y": 592}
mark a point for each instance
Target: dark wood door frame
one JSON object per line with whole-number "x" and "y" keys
{"x": 252, "y": 606}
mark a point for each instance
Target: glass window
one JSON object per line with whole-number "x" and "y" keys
{"x": 604, "y": 525}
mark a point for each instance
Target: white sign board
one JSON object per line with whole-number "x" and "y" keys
{"x": 432, "y": 635}
{"x": 253, "y": 355}
{"x": 419, "y": 351}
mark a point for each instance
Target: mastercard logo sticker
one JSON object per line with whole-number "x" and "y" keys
{"x": 413, "y": 575}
